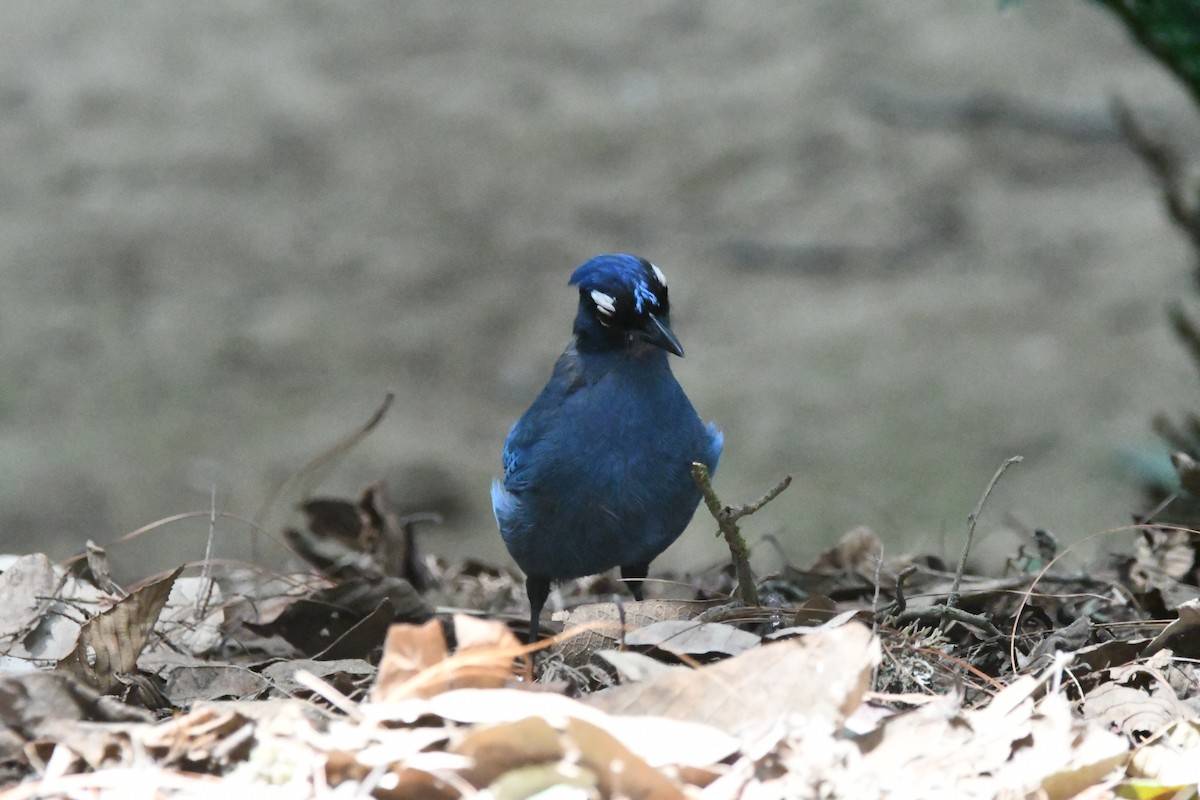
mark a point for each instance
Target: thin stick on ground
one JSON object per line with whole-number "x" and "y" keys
{"x": 727, "y": 518}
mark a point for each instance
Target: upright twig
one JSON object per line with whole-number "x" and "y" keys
{"x": 727, "y": 518}
{"x": 972, "y": 518}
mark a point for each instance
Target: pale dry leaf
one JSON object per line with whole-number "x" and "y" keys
{"x": 1132, "y": 711}
{"x": 25, "y": 585}
{"x": 472, "y": 633}
{"x": 659, "y": 740}
{"x": 375, "y": 747}
{"x": 689, "y": 638}
{"x": 633, "y": 667}
{"x": 341, "y": 673}
{"x": 1170, "y": 760}
{"x": 813, "y": 760}
{"x": 1066, "y": 756}
{"x": 926, "y": 748}
{"x": 1016, "y": 697}
{"x": 110, "y": 642}
{"x": 824, "y": 675}
{"x": 597, "y": 626}
{"x": 193, "y": 616}
{"x": 53, "y": 637}
{"x": 664, "y": 742}
{"x": 1016, "y": 749}
{"x": 33, "y": 621}
{"x": 1161, "y": 556}
{"x": 188, "y": 685}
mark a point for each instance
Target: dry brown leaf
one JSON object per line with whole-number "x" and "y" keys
{"x": 816, "y": 610}
{"x": 555, "y": 779}
{"x": 567, "y": 745}
{"x": 408, "y": 651}
{"x": 1105, "y": 655}
{"x": 823, "y": 675}
{"x": 110, "y": 642}
{"x": 416, "y": 663}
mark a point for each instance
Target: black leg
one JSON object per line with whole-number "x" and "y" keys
{"x": 538, "y": 590}
{"x": 633, "y": 574}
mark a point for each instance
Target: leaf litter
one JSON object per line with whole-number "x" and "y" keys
{"x": 378, "y": 672}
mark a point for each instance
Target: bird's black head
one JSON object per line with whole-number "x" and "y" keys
{"x": 622, "y": 303}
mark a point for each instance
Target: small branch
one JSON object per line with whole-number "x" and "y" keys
{"x": 1165, "y": 164}
{"x": 322, "y": 461}
{"x": 727, "y": 518}
{"x": 972, "y": 518}
{"x": 901, "y": 602}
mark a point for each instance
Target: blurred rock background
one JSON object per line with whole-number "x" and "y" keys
{"x": 905, "y": 241}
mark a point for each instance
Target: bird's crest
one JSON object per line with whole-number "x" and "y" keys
{"x": 622, "y": 289}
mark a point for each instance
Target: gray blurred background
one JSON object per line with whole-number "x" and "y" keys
{"x": 904, "y": 242}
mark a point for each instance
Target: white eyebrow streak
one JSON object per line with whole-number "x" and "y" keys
{"x": 658, "y": 273}
{"x": 605, "y": 304}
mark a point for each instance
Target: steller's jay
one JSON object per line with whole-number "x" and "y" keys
{"x": 597, "y": 473}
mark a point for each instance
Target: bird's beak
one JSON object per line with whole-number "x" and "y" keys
{"x": 658, "y": 334}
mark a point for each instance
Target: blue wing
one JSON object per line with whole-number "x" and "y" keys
{"x": 716, "y": 441}
{"x": 524, "y": 437}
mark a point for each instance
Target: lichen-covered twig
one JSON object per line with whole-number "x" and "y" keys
{"x": 946, "y": 615}
{"x": 727, "y": 518}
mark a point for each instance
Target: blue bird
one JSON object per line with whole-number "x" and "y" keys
{"x": 597, "y": 473}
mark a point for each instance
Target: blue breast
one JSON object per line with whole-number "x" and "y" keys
{"x": 597, "y": 473}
